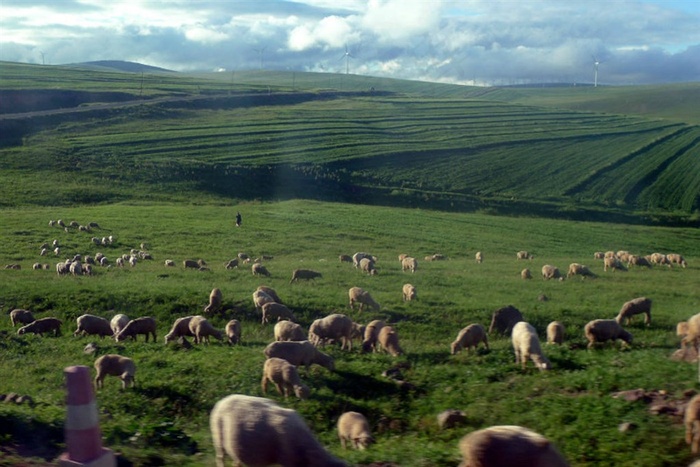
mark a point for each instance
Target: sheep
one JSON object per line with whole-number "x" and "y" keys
{"x": 87, "y": 269}
{"x": 255, "y": 431}
{"x": 550, "y": 272}
{"x": 389, "y": 341}
{"x": 576, "y": 269}
{"x": 675, "y": 258}
{"x": 437, "y": 257}
{"x": 367, "y": 265}
{"x": 526, "y": 345}
{"x": 271, "y": 292}
{"x": 288, "y": 331}
{"x": 354, "y": 427}
{"x": 93, "y": 325}
{"x": 118, "y": 322}
{"x": 306, "y": 274}
{"x": 345, "y": 258}
{"x": 231, "y": 264}
{"x": 169, "y": 263}
{"x": 409, "y": 292}
{"x": 524, "y": 255}
{"x": 115, "y": 365}
{"x": 692, "y": 424}
{"x": 215, "y": 297}
{"x": 336, "y": 326}
{"x": 285, "y": 377}
{"x": 598, "y": 255}
{"x": 692, "y": 334}
{"x": 144, "y": 325}
{"x": 63, "y": 267}
{"x": 682, "y": 329}
{"x": 276, "y": 310}
{"x": 659, "y": 258}
{"x": 180, "y": 328}
{"x": 202, "y": 329}
{"x": 104, "y": 261}
{"x": 635, "y": 260}
{"x": 555, "y": 333}
{"x": 601, "y": 330}
{"x": 260, "y": 270}
{"x": 190, "y": 263}
{"x": 260, "y": 298}
{"x": 639, "y": 305}
{"x": 362, "y": 297}
{"x": 501, "y": 446}
{"x": 451, "y": 418}
{"x": 504, "y": 319}
{"x": 43, "y": 252}
{"x": 233, "y": 332}
{"x": 119, "y": 262}
{"x": 243, "y": 257}
{"x": 76, "y": 268}
{"x": 19, "y": 315}
{"x": 132, "y": 261}
{"x": 57, "y": 251}
{"x": 613, "y": 263}
{"x": 371, "y": 335}
{"x": 409, "y": 264}
{"x": 479, "y": 257}
{"x": 469, "y": 337}
{"x": 525, "y": 274}
{"x": 41, "y": 326}
{"x": 299, "y": 353}
{"x": 357, "y": 257}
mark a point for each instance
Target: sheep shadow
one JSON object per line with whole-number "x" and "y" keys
{"x": 360, "y": 386}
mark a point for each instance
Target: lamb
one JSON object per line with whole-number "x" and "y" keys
{"x": 357, "y": 257}
{"x": 271, "y": 292}
{"x": 233, "y": 332}
{"x": 601, "y": 330}
{"x": 371, "y": 335}
{"x": 191, "y": 264}
{"x": 41, "y": 326}
{"x": 468, "y": 337}
{"x": 260, "y": 270}
{"x": 550, "y": 272}
{"x": 555, "y": 333}
{"x": 288, "y": 331}
{"x": 336, "y": 326}
{"x": 522, "y": 254}
{"x": 255, "y": 431}
{"x": 215, "y": 297}
{"x": 526, "y": 345}
{"x": 354, "y": 427}
{"x": 169, "y": 263}
{"x": 119, "y": 262}
{"x": 362, "y": 297}
{"x": 306, "y": 274}
{"x": 500, "y": 446}
{"x": 285, "y": 377}
{"x": 144, "y": 325}
{"x": 692, "y": 424}
{"x": 479, "y": 257}
{"x": 260, "y": 298}
{"x": 409, "y": 264}
{"x": 93, "y": 325}
{"x": 180, "y": 328}
{"x": 19, "y": 315}
{"x": 276, "y": 310}
{"x": 299, "y": 353}
{"x": 231, "y": 264}
{"x": 115, "y": 365}
{"x": 202, "y": 329}
{"x": 118, "y": 322}
{"x": 576, "y": 269}
{"x": 638, "y": 261}
{"x": 389, "y": 340}
{"x": 526, "y": 274}
{"x": 640, "y": 305}
{"x": 367, "y": 265}
{"x": 613, "y": 263}
{"x": 345, "y": 258}
{"x": 409, "y": 292}
{"x": 675, "y": 258}
{"x": 598, "y": 255}
{"x": 504, "y": 319}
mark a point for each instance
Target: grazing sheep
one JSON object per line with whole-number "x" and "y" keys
{"x": 41, "y": 326}
{"x": 371, "y": 335}
{"x": 115, "y": 365}
{"x": 233, "y": 332}
{"x": 87, "y": 269}
{"x": 367, "y": 265}
{"x": 43, "y": 252}
{"x": 362, "y": 297}
{"x": 243, "y": 257}
{"x": 675, "y": 258}
{"x": 613, "y": 263}
{"x": 202, "y": 329}
{"x": 169, "y": 263}
{"x": 21, "y": 316}
{"x": 640, "y": 261}
{"x": 93, "y": 325}
{"x": 76, "y": 268}
{"x": 231, "y": 264}
{"x": 576, "y": 269}
{"x": 550, "y": 272}
{"x": 144, "y": 325}
{"x": 409, "y": 292}
{"x": 256, "y": 432}
{"x": 692, "y": 424}
{"x": 659, "y": 258}
{"x": 523, "y": 255}
{"x": 260, "y": 270}
{"x": 409, "y": 264}
{"x": 63, "y": 267}
{"x": 306, "y": 274}
{"x": 598, "y": 255}
{"x": 260, "y": 298}
{"x": 180, "y": 328}
{"x": 526, "y": 345}
{"x": 132, "y": 261}
{"x": 345, "y": 258}
{"x": 601, "y": 330}
{"x": 285, "y": 377}
{"x": 299, "y": 353}
{"x": 555, "y": 333}
{"x": 119, "y": 262}
{"x": 479, "y": 257}
{"x": 191, "y": 264}
{"x": 469, "y": 337}
{"x": 288, "y": 331}
{"x": 509, "y": 446}
{"x": 215, "y": 298}
{"x": 526, "y": 274}
{"x": 271, "y": 292}
{"x": 389, "y": 341}
{"x": 437, "y": 257}
{"x": 118, "y": 322}
{"x": 357, "y": 257}
{"x": 692, "y": 332}
{"x": 354, "y": 427}
{"x": 57, "y": 251}
{"x": 504, "y": 319}
{"x": 682, "y": 329}
{"x": 450, "y": 418}
{"x": 640, "y": 305}
{"x": 276, "y": 310}
{"x": 336, "y": 326}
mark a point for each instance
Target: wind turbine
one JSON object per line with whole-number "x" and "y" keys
{"x": 596, "y": 62}
{"x": 347, "y": 56}
{"x": 260, "y": 52}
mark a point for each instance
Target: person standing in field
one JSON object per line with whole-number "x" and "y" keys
{"x": 239, "y": 219}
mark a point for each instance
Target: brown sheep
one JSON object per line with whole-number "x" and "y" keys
{"x": 144, "y": 325}
{"x": 359, "y": 295}
{"x": 409, "y": 292}
{"x": 21, "y": 316}
{"x": 306, "y": 274}
{"x": 389, "y": 341}
{"x": 288, "y": 331}
{"x": 115, "y": 365}
{"x": 468, "y": 337}
{"x": 550, "y": 272}
{"x": 233, "y": 332}
{"x": 601, "y": 330}
{"x": 91, "y": 324}
{"x": 215, "y": 298}
{"x": 371, "y": 335}
{"x": 260, "y": 270}
{"x": 503, "y": 320}
{"x": 180, "y": 328}
{"x": 41, "y": 326}
{"x": 640, "y": 305}
{"x": 285, "y": 377}
{"x": 354, "y": 427}
{"x": 202, "y": 329}
{"x": 276, "y": 310}
{"x": 613, "y": 263}
{"x": 692, "y": 424}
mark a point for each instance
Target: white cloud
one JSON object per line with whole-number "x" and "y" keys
{"x": 401, "y": 20}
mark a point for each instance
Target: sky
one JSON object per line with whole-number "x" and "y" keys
{"x": 475, "y": 42}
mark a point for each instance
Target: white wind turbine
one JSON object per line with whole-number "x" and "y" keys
{"x": 347, "y": 56}
{"x": 596, "y": 62}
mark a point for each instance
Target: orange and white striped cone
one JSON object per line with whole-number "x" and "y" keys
{"x": 82, "y": 429}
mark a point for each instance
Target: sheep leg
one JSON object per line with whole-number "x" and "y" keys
{"x": 281, "y": 390}
{"x": 263, "y": 384}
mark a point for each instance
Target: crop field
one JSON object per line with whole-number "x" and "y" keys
{"x": 164, "y": 420}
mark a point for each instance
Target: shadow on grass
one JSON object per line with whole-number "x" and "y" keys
{"x": 30, "y": 437}
{"x": 359, "y": 386}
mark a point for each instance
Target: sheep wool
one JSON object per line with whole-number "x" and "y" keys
{"x": 354, "y": 427}
{"x": 468, "y": 337}
{"x": 526, "y": 345}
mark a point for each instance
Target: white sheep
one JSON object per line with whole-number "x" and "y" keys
{"x": 76, "y": 268}
{"x": 118, "y": 322}
{"x": 601, "y": 330}
{"x": 306, "y": 274}
{"x": 550, "y": 272}
{"x": 639, "y": 305}
{"x": 285, "y": 377}
{"x": 611, "y": 262}
{"x": 371, "y": 335}
{"x": 276, "y": 310}
{"x": 509, "y": 446}
{"x": 215, "y": 298}
{"x": 409, "y": 264}
{"x": 470, "y": 336}
{"x": 93, "y": 325}
{"x": 354, "y": 427}
{"x": 271, "y": 292}
{"x": 525, "y": 274}
{"x": 660, "y": 259}
{"x": 691, "y": 420}
{"x": 255, "y": 431}
{"x": 409, "y": 292}
{"x": 357, "y": 257}
{"x": 169, "y": 263}
{"x": 388, "y": 339}
{"x": 692, "y": 335}
{"x": 260, "y": 298}
{"x": 180, "y": 328}
{"x": 21, "y": 316}
{"x": 144, "y": 325}
{"x": 202, "y": 329}
{"x": 635, "y": 260}
{"x": 336, "y": 326}
{"x": 675, "y": 258}
{"x": 522, "y": 254}
{"x": 233, "y": 331}
{"x": 576, "y": 269}
{"x": 367, "y": 265}
{"x": 41, "y": 326}
{"x": 288, "y": 331}
{"x": 479, "y": 257}
{"x": 115, "y": 365}
{"x": 260, "y": 270}
{"x": 526, "y": 345}
{"x": 555, "y": 333}
{"x": 598, "y": 255}
{"x": 359, "y": 295}
{"x": 299, "y": 353}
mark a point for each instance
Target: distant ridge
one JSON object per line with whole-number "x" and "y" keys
{"x": 121, "y": 65}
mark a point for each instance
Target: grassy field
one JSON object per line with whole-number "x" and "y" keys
{"x": 164, "y": 420}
